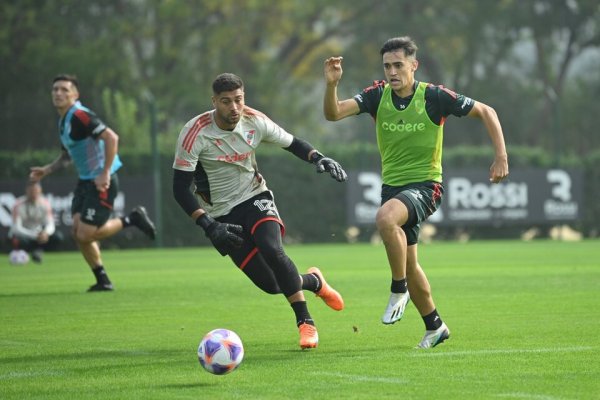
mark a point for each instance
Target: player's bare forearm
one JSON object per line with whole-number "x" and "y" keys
{"x": 330, "y": 103}
{"x": 197, "y": 214}
{"x": 61, "y": 162}
{"x": 111, "y": 147}
{"x": 37, "y": 173}
{"x": 499, "y": 168}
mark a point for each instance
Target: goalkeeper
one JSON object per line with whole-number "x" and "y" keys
{"x": 216, "y": 152}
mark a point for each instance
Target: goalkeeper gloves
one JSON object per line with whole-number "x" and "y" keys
{"x": 328, "y": 164}
{"x": 223, "y": 236}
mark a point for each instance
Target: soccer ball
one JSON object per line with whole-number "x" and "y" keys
{"x": 18, "y": 257}
{"x": 220, "y": 351}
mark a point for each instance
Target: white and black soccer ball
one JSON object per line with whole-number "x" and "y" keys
{"x": 221, "y": 351}
{"x": 18, "y": 257}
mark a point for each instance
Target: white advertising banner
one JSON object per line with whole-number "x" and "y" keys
{"x": 529, "y": 196}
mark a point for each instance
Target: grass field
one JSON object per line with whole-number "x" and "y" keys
{"x": 524, "y": 319}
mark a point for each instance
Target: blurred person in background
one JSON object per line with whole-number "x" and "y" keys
{"x": 409, "y": 119}
{"x": 33, "y": 229}
{"x": 216, "y": 155}
{"x": 92, "y": 147}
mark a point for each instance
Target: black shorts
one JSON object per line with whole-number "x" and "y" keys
{"x": 95, "y": 207}
{"x": 422, "y": 199}
{"x": 250, "y": 214}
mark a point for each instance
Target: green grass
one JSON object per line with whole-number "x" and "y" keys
{"x": 524, "y": 319}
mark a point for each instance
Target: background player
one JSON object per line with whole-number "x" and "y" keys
{"x": 92, "y": 147}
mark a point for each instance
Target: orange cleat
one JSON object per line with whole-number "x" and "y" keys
{"x": 309, "y": 338}
{"x": 330, "y": 296}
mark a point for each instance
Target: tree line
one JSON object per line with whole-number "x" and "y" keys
{"x": 536, "y": 62}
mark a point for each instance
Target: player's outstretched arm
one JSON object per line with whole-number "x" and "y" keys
{"x": 305, "y": 151}
{"x": 37, "y": 173}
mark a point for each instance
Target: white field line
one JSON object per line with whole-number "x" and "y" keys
{"x": 433, "y": 353}
{"x": 527, "y": 396}
{"x": 362, "y": 378}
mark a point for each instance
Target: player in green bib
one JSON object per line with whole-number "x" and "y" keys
{"x": 409, "y": 121}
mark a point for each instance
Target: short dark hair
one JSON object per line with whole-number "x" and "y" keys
{"x": 404, "y": 43}
{"x": 68, "y": 78}
{"x": 226, "y": 83}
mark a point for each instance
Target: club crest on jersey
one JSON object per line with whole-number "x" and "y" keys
{"x": 249, "y": 136}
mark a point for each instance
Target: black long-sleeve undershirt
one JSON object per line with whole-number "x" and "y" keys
{"x": 182, "y": 180}
{"x": 300, "y": 148}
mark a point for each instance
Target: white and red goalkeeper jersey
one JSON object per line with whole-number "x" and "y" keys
{"x": 227, "y": 157}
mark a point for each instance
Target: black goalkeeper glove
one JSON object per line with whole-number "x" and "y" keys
{"x": 330, "y": 165}
{"x": 224, "y": 237}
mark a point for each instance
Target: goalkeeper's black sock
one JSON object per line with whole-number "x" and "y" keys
{"x": 101, "y": 276}
{"x": 311, "y": 282}
{"x": 399, "y": 286}
{"x": 302, "y": 314}
{"x": 432, "y": 321}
